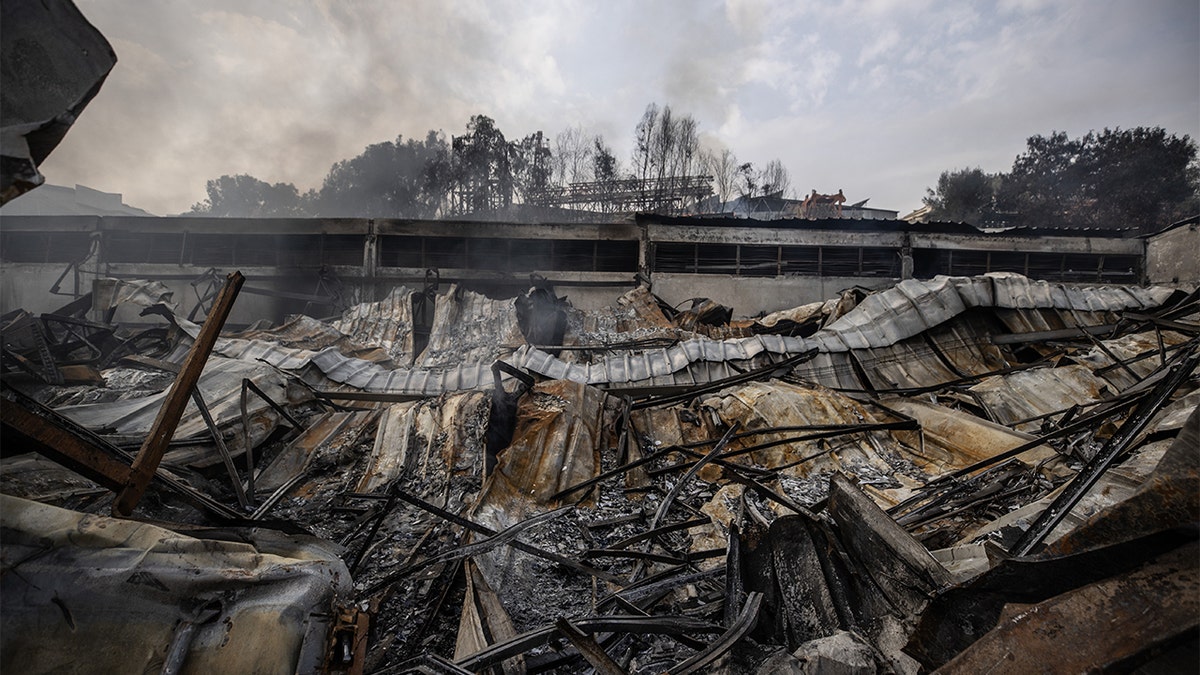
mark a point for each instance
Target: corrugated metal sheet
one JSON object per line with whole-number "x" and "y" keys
{"x": 470, "y": 328}
{"x": 471, "y": 331}
{"x": 387, "y": 323}
{"x": 431, "y": 442}
{"x": 221, "y": 386}
{"x": 1030, "y": 393}
{"x": 910, "y": 364}
{"x": 966, "y": 345}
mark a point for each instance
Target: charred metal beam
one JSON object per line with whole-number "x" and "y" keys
{"x": 656, "y": 625}
{"x": 744, "y": 624}
{"x": 505, "y": 536}
{"x": 243, "y": 401}
{"x": 665, "y": 529}
{"x": 1116, "y": 445}
{"x": 1161, "y": 352}
{"x": 487, "y": 531}
{"x": 380, "y": 516}
{"x": 635, "y": 555}
{"x": 1087, "y": 422}
{"x": 766, "y": 371}
{"x": 427, "y": 663}
{"x": 163, "y": 428}
{"x": 1181, "y": 326}
{"x": 1116, "y": 359}
{"x": 822, "y": 431}
{"x": 589, "y": 648}
{"x": 1047, "y": 335}
{"x": 226, "y": 456}
{"x": 687, "y": 477}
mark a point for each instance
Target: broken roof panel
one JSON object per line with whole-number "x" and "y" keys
{"x": 98, "y": 594}
{"x": 387, "y": 323}
{"x": 220, "y": 385}
{"x": 470, "y": 328}
{"x": 1035, "y": 393}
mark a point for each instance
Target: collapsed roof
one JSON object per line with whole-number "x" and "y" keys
{"x": 877, "y": 483}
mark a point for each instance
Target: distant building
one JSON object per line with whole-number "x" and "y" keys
{"x": 58, "y": 200}
{"x": 775, "y": 207}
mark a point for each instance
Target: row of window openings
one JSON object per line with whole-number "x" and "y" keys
{"x": 769, "y": 261}
{"x": 546, "y": 254}
{"x": 324, "y": 249}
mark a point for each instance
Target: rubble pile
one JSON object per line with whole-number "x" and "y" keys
{"x": 959, "y": 474}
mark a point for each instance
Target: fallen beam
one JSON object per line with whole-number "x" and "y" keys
{"x": 163, "y": 428}
{"x": 46, "y": 434}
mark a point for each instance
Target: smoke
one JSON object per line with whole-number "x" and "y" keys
{"x": 877, "y": 97}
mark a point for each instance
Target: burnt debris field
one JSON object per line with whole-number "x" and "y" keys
{"x": 960, "y": 474}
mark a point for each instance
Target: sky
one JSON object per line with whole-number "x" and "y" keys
{"x": 874, "y": 97}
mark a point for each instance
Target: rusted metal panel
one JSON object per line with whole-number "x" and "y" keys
{"x": 556, "y": 444}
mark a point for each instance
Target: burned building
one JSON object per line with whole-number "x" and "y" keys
{"x": 385, "y": 447}
{"x": 321, "y": 266}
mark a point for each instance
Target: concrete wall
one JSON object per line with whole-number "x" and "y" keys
{"x": 1173, "y": 257}
{"x": 750, "y": 297}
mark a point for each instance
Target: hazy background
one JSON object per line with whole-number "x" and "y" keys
{"x": 876, "y": 98}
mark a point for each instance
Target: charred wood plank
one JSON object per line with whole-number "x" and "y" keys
{"x": 900, "y": 567}
{"x": 38, "y": 428}
{"x": 146, "y": 462}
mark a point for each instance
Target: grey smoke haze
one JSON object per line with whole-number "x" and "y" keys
{"x": 873, "y": 97}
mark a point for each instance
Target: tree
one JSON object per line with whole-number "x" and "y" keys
{"x": 775, "y": 178}
{"x": 770, "y": 180}
{"x": 666, "y": 150}
{"x": 605, "y": 167}
{"x": 532, "y": 164}
{"x": 965, "y": 195}
{"x": 572, "y": 156}
{"x": 1140, "y": 178}
{"x": 387, "y": 180}
{"x": 482, "y": 168}
{"x": 723, "y": 167}
{"x": 244, "y": 196}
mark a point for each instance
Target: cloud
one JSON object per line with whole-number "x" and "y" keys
{"x": 876, "y": 97}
